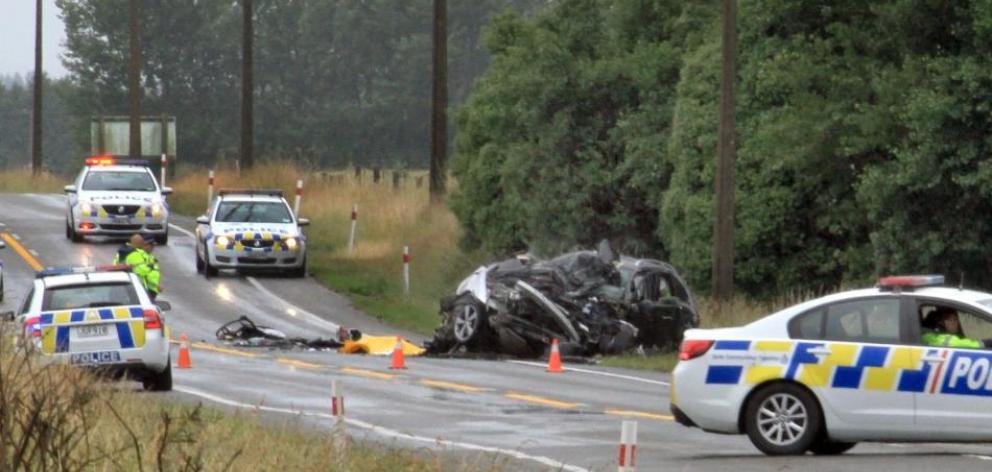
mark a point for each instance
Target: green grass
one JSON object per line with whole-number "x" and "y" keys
{"x": 654, "y": 362}
{"x": 22, "y": 181}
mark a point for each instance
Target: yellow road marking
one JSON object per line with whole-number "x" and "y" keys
{"x": 367, "y": 373}
{"x": 297, "y": 363}
{"x": 540, "y": 400}
{"x": 639, "y": 414}
{"x": 452, "y": 386}
{"x": 21, "y": 251}
{"x": 235, "y": 352}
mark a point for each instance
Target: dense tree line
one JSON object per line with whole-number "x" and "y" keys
{"x": 337, "y": 81}
{"x": 864, "y": 137}
{"x": 60, "y": 134}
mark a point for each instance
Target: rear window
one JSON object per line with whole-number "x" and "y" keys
{"x": 73, "y": 297}
{"x": 867, "y": 320}
{"x": 119, "y": 181}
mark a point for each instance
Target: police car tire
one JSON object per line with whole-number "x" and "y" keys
{"x": 1, "y": 288}
{"x": 790, "y": 393}
{"x": 199, "y": 264}
{"x": 161, "y": 382}
{"x": 208, "y": 270}
{"x": 826, "y": 447}
{"x": 163, "y": 239}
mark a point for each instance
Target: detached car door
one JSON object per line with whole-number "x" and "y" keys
{"x": 957, "y": 401}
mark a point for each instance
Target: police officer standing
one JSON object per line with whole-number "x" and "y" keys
{"x": 137, "y": 253}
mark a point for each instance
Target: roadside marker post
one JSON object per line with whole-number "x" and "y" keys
{"x": 299, "y": 194}
{"x": 406, "y": 270}
{"x": 338, "y": 434}
{"x": 165, "y": 162}
{"x": 627, "y": 462}
{"x": 354, "y": 223}
{"x": 210, "y": 188}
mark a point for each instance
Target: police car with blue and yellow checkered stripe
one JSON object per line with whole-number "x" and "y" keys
{"x": 827, "y": 373}
{"x": 97, "y": 317}
{"x": 251, "y": 229}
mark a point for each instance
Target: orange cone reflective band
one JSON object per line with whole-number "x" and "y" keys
{"x": 554, "y": 360}
{"x": 399, "y": 361}
{"x": 184, "y": 362}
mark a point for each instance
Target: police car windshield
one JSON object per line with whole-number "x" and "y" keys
{"x": 72, "y": 297}
{"x": 253, "y": 212}
{"x": 119, "y": 181}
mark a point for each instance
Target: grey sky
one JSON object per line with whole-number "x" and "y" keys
{"x": 17, "y": 38}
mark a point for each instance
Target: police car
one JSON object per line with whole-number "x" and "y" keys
{"x": 250, "y": 230}
{"x": 825, "y": 374}
{"x": 97, "y": 317}
{"x": 116, "y": 197}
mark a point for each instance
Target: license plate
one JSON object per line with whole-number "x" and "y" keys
{"x": 93, "y": 331}
{"x": 98, "y": 357}
{"x": 121, "y": 218}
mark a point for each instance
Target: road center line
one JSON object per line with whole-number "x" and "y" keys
{"x": 596, "y": 372}
{"x": 233, "y": 352}
{"x": 540, "y": 400}
{"x": 516, "y": 454}
{"x": 297, "y": 363}
{"x": 21, "y": 251}
{"x": 451, "y": 386}
{"x": 367, "y": 373}
{"x": 639, "y": 414}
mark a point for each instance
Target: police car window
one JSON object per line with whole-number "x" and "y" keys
{"x": 808, "y": 325}
{"x": 253, "y": 212}
{"x": 974, "y": 326}
{"x": 26, "y": 305}
{"x": 73, "y": 297}
{"x": 119, "y": 181}
{"x": 872, "y": 320}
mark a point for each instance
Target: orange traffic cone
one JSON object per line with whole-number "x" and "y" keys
{"x": 184, "y": 362}
{"x": 554, "y": 360}
{"x": 399, "y": 361}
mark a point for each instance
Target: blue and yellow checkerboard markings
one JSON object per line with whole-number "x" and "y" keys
{"x": 724, "y": 374}
{"x": 55, "y": 326}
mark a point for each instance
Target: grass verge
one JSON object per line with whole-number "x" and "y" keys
{"x": 21, "y": 180}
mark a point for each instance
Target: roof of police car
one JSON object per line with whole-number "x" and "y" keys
{"x": 247, "y": 197}
{"x": 84, "y": 279}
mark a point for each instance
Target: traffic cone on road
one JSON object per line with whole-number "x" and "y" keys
{"x": 399, "y": 362}
{"x": 554, "y": 360}
{"x": 184, "y": 362}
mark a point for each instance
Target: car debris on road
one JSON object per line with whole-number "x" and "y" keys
{"x": 594, "y": 302}
{"x": 243, "y": 332}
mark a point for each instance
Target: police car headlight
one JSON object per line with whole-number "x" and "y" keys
{"x": 291, "y": 243}
{"x": 86, "y": 207}
{"x": 222, "y": 240}
{"x": 157, "y": 207}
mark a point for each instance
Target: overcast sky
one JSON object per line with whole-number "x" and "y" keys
{"x": 17, "y": 38}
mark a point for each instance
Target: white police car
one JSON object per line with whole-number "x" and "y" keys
{"x": 97, "y": 317}
{"x": 825, "y": 374}
{"x": 250, "y": 230}
{"x": 116, "y": 197}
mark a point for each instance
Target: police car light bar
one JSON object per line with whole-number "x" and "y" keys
{"x": 113, "y": 161}
{"x": 50, "y": 271}
{"x": 271, "y": 192}
{"x": 909, "y": 282}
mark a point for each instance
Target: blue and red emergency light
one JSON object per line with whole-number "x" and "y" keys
{"x": 50, "y": 271}
{"x": 910, "y": 282}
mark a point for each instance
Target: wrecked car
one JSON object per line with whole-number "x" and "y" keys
{"x": 593, "y": 302}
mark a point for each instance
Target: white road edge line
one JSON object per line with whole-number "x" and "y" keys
{"x": 596, "y": 372}
{"x": 389, "y": 432}
{"x": 33, "y": 252}
{"x": 16, "y": 236}
{"x": 182, "y": 230}
{"x": 316, "y": 319}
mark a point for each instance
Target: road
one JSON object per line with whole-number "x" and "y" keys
{"x": 476, "y": 410}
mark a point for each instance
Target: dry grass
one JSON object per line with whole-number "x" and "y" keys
{"x": 56, "y": 418}
{"x": 388, "y": 219}
{"x": 21, "y": 180}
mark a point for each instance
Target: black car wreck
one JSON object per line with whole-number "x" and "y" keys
{"x": 593, "y": 302}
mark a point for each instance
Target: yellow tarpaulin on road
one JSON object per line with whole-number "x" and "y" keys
{"x": 379, "y": 346}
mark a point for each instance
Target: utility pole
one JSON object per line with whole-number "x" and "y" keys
{"x": 723, "y": 228}
{"x": 439, "y": 103}
{"x": 134, "y": 78}
{"x": 247, "y": 87}
{"x": 38, "y": 80}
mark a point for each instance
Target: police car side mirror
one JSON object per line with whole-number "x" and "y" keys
{"x": 69, "y": 189}
{"x": 167, "y": 190}
{"x": 303, "y": 222}
{"x": 163, "y": 305}
{"x": 203, "y": 220}
{"x": 7, "y": 316}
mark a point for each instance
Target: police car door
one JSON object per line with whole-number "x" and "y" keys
{"x": 957, "y": 401}
{"x": 851, "y": 354}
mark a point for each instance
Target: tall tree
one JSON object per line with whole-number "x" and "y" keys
{"x": 439, "y": 102}
{"x": 723, "y": 227}
{"x": 135, "y": 90}
{"x": 36, "y": 117}
{"x": 247, "y": 86}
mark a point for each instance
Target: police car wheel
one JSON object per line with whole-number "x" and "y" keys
{"x": 162, "y": 240}
{"x": 1, "y": 288}
{"x": 161, "y": 382}
{"x": 199, "y": 263}
{"x": 826, "y": 447}
{"x": 208, "y": 270}
{"x": 782, "y": 419}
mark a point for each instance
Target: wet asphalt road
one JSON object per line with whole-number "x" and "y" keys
{"x": 476, "y": 410}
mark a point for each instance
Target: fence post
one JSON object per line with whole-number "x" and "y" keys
{"x": 299, "y": 194}
{"x": 354, "y": 223}
{"x": 406, "y": 270}
{"x": 165, "y": 161}
{"x": 210, "y": 189}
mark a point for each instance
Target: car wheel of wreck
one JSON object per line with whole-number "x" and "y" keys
{"x": 466, "y": 321}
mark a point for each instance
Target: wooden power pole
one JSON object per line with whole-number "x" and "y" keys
{"x": 247, "y": 87}
{"x": 134, "y": 78}
{"x": 723, "y": 228}
{"x": 439, "y": 103}
{"x": 38, "y": 81}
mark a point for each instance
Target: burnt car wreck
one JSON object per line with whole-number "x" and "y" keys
{"x": 593, "y": 302}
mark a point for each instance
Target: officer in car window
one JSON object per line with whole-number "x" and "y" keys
{"x": 942, "y": 328}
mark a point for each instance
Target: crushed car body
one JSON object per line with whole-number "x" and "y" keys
{"x": 593, "y": 302}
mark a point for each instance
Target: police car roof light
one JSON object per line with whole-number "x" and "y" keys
{"x": 271, "y": 192}
{"x": 51, "y": 271}
{"x": 113, "y": 161}
{"x": 909, "y": 282}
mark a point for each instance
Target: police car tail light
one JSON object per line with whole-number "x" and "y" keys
{"x": 32, "y": 327}
{"x": 152, "y": 319}
{"x": 693, "y": 348}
